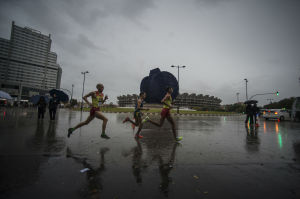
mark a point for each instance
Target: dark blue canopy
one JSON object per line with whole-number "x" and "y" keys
{"x": 156, "y": 83}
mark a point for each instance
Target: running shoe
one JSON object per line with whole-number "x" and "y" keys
{"x": 146, "y": 119}
{"x": 126, "y": 119}
{"x": 138, "y": 136}
{"x": 178, "y": 139}
{"x": 70, "y": 131}
{"x": 103, "y": 135}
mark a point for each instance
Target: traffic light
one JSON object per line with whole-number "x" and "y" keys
{"x": 277, "y": 93}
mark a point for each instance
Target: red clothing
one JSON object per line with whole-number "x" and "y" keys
{"x": 165, "y": 112}
{"x": 93, "y": 110}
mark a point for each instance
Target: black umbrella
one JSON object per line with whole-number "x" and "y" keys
{"x": 62, "y": 96}
{"x": 250, "y": 102}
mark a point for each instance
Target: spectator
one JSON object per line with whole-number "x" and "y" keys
{"x": 41, "y": 107}
{"x": 53, "y": 103}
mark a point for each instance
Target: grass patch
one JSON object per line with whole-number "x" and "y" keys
{"x": 155, "y": 110}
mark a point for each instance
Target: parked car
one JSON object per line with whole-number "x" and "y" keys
{"x": 296, "y": 109}
{"x": 281, "y": 114}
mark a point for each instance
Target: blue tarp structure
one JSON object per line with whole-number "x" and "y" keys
{"x": 156, "y": 83}
{"x": 4, "y": 95}
{"x": 35, "y": 99}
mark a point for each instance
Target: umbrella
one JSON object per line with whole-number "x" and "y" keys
{"x": 36, "y": 98}
{"x": 4, "y": 95}
{"x": 250, "y": 102}
{"x": 62, "y": 96}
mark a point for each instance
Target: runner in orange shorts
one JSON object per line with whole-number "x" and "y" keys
{"x": 165, "y": 113}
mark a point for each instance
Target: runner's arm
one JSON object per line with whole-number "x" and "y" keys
{"x": 105, "y": 98}
{"x": 86, "y": 96}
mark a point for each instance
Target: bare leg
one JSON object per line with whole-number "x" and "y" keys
{"x": 170, "y": 119}
{"x": 140, "y": 124}
{"x": 132, "y": 122}
{"x": 100, "y": 116}
{"x": 161, "y": 122}
{"x": 88, "y": 120}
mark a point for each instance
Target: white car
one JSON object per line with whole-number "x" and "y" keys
{"x": 280, "y": 114}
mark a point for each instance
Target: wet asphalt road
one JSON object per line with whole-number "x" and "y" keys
{"x": 218, "y": 158}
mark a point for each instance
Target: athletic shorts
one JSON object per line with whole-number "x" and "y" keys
{"x": 137, "y": 114}
{"x": 93, "y": 110}
{"x": 165, "y": 112}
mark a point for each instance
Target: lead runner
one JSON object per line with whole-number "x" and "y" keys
{"x": 97, "y": 99}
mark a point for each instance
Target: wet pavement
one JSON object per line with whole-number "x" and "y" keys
{"x": 218, "y": 158}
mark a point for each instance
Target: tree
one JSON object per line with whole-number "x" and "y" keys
{"x": 237, "y": 107}
{"x": 286, "y": 103}
{"x": 73, "y": 102}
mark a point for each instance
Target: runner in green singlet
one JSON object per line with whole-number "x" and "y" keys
{"x": 165, "y": 113}
{"x": 97, "y": 100}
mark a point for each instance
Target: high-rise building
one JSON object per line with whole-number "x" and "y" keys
{"x": 27, "y": 66}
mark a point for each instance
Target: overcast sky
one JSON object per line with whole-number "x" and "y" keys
{"x": 220, "y": 42}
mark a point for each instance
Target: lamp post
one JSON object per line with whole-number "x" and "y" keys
{"x": 246, "y": 88}
{"x": 83, "y": 73}
{"x": 178, "y": 80}
{"x": 237, "y": 96}
{"x": 72, "y": 92}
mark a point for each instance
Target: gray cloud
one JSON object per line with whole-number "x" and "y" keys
{"x": 220, "y": 42}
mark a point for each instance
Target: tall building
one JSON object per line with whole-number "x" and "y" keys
{"x": 27, "y": 66}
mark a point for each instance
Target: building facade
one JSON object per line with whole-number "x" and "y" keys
{"x": 201, "y": 102}
{"x": 27, "y": 66}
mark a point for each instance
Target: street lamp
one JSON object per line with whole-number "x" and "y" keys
{"x": 83, "y": 73}
{"x": 237, "y": 96}
{"x": 72, "y": 92}
{"x": 178, "y": 80}
{"x": 246, "y": 88}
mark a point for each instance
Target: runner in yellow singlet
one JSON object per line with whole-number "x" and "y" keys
{"x": 165, "y": 113}
{"x": 97, "y": 100}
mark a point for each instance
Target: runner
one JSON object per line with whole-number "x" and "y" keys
{"x": 97, "y": 100}
{"x": 138, "y": 114}
{"x": 165, "y": 113}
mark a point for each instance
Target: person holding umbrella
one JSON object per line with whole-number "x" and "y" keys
{"x": 97, "y": 99}
{"x": 53, "y": 103}
{"x": 256, "y": 113}
{"x": 41, "y": 107}
{"x": 250, "y": 111}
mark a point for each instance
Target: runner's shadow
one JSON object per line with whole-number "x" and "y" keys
{"x": 93, "y": 175}
{"x": 165, "y": 169}
{"x": 138, "y": 164}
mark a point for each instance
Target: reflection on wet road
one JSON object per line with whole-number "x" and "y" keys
{"x": 218, "y": 157}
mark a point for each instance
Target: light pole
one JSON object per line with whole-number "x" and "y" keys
{"x": 83, "y": 73}
{"x": 237, "y": 97}
{"x": 178, "y": 80}
{"x": 72, "y": 92}
{"x": 246, "y": 88}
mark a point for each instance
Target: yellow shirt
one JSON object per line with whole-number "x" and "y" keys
{"x": 168, "y": 101}
{"x": 97, "y": 101}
